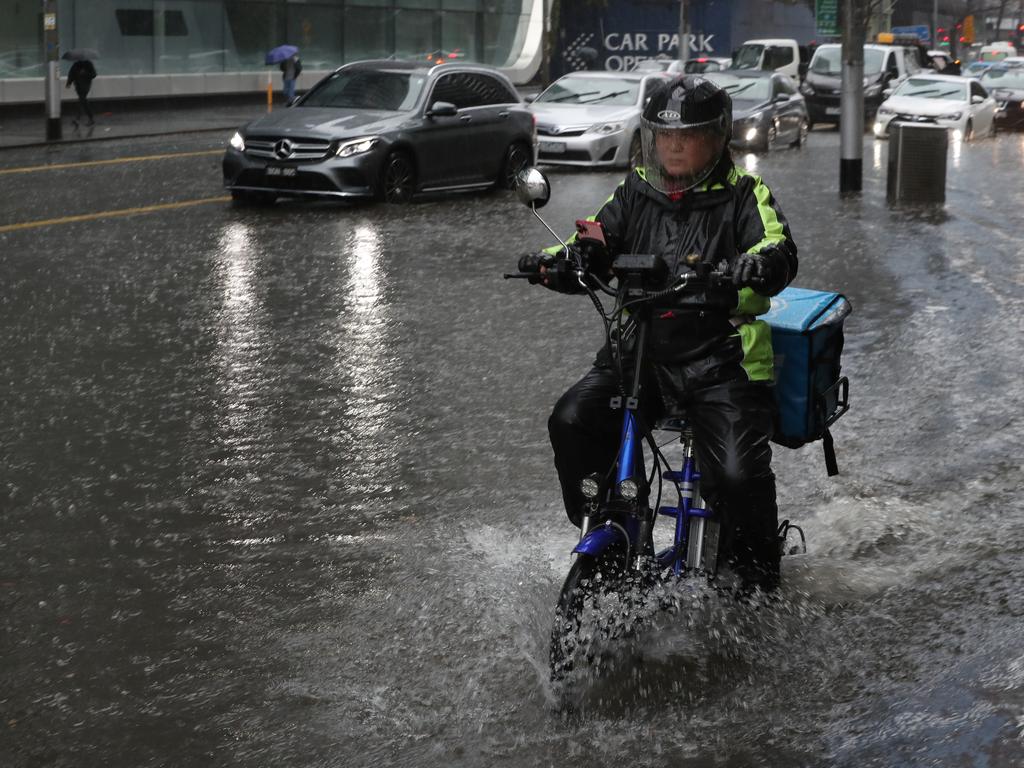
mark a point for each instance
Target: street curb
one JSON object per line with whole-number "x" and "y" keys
{"x": 60, "y": 142}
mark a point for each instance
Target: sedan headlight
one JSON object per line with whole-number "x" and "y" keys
{"x": 355, "y": 146}
{"x": 750, "y": 135}
{"x": 238, "y": 142}
{"x": 951, "y": 116}
{"x": 605, "y": 128}
{"x": 885, "y": 111}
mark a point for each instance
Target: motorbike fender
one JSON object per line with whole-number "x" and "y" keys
{"x": 598, "y": 540}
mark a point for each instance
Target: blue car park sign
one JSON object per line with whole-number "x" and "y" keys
{"x": 920, "y": 31}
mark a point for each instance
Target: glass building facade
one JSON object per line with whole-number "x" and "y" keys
{"x": 154, "y": 37}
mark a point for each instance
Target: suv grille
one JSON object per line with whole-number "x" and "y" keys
{"x": 287, "y": 149}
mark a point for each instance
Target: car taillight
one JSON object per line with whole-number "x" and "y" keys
{"x": 533, "y": 117}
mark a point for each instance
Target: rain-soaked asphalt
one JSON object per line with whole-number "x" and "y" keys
{"x": 276, "y": 488}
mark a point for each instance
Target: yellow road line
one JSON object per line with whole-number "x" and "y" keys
{"x": 114, "y": 161}
{"x": 111, "y": 214}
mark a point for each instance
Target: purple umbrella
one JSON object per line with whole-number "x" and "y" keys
{"x": 279, "y": 54}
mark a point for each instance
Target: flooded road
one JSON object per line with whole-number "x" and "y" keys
{"x": 276, "y": 486}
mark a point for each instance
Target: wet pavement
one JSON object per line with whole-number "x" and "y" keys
{"x": 276, "y": 486}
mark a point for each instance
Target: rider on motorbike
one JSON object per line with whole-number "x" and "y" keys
{"x": 710, "y": 356}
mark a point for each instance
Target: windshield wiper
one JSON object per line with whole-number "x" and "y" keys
{"x": 611, "y": 95}
{"x": 922, "y": 93}
{"x": 740, "y": 89}
{"x": 571, "y": 96}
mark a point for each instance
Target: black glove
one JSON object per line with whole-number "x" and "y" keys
{"x": 560, "y": 274}
{"x": 766, "y": 271}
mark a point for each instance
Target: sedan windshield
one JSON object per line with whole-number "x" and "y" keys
{"x": 1003, "y": 78}
{"x": 391, "y": 90}
{"x": 743, "y": 88}
{"x": 591, "y": 90}
{"x": 932, "y": 89}
{"x": 828, "y": 60}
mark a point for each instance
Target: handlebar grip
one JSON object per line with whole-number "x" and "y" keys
{"x": 520, "y": 275}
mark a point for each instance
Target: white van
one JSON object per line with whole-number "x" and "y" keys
{"x": 996, "y": 52}
{"x": 772, "y": 55}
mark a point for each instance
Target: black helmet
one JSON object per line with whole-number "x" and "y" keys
{"x": 690, "y": 105}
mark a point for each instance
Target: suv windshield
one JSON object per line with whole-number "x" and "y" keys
{"x": 391, "y": 90}
{"x": 591, "y": 90}
{"x": 932, "y": 89}
{"x": 743, "y": 88}
{"x": 828, "y": 60}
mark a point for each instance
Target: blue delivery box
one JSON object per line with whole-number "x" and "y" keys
{"x": 807, "y": 339}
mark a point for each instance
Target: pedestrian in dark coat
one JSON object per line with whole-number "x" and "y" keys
{"x": 81, "y": 74}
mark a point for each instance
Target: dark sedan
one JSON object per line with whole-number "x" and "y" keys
{"x": 767, "y": 109}
{"x": 386, "y": 129}
{"x": 1006, "y": 84}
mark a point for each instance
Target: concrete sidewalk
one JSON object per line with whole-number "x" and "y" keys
{"x": 25, "y": 126}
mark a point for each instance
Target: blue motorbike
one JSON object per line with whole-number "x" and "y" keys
{"x": 615, "y": 558}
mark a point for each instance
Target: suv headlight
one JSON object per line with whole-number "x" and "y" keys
{"x": 806, "y": 88}
{"x": 885, "y": 111}
{"x": 951, "y": 116}
{"x": 238, "y": 142}
{"x": 605, "y": 128}
{"x": 873, "y": 90}
{"x": 355, "y": 146}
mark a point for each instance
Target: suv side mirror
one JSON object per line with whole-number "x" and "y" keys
{"x": 442, "y": 109}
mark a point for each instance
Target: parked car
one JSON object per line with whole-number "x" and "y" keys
{"x": 593, "y": 118}
{"x": 1006, "y": 84}
{"x": 385, "y": 129}
{"x": 767, "y": 109}
{"x": 1012, "y": 61}
{"x": 691, "y": 67}
{"x": 959, "y": 104}
{"x": 884, "y": 67}
{"x": 977, "y": 68}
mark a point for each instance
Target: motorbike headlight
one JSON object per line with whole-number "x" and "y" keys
{"x": 885, "y": 111}
{"x": 591, "y": 486}
{"x": 238, "y": 142}
{"x": 605, "y": 128}
{"x": 629, "y": 489}
{"x": 355, "y": 146}
{"x": 951, "y": 116}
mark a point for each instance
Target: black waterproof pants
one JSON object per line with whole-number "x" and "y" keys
{"x": 84, "y": 110}
{"x": 732, "y": 423}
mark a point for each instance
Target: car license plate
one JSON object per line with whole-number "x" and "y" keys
{"x": 279, "y": 170}
{"x": 831, "y": 110}
{"x": 554, "y": 147}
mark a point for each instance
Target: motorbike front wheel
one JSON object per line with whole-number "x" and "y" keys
{"x": 589, "y": 580}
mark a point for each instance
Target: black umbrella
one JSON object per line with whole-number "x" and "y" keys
{"x": 78, "y": 54}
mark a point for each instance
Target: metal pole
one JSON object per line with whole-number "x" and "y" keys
{"x": 52, "y": 84}
{"x": 935, "y": 24}
{"x": 851, "y": 100}
{"x": 684, "y": 32}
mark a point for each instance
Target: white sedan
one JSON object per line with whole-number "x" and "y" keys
{"x": 959, "y": 104}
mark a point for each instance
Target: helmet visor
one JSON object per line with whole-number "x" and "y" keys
{"x": 677, "y": 159}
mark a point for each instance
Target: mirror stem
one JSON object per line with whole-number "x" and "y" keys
{"x": 533, "y": 208}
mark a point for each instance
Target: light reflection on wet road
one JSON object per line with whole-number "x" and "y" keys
{"x": 276, "y": 486}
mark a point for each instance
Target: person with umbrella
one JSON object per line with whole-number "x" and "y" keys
{"x": 288, "y": 58}
{"x": 81, "y": 74}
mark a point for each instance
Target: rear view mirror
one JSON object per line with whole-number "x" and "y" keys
{"x": 442, "y": 109}
{"x": 976, "y": 99}
{"x": 532, "y": 188}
